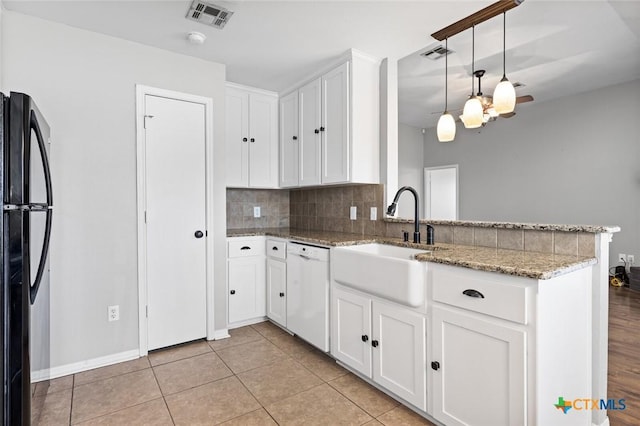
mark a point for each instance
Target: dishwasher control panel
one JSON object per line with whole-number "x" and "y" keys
{"x": 308, "y": 251}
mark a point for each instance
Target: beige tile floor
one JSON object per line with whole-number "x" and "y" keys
{"x": 259, "y": 376}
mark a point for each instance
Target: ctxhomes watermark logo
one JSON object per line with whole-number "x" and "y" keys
{"x": 589, "y": 404}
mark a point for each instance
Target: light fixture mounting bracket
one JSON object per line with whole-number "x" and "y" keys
{"x": 476, "y": 18}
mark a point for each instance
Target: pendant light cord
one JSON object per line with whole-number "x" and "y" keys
{"x": 473, "y": 58}
{"x": 504, "y": 44}
{"x": 446, "y": 75}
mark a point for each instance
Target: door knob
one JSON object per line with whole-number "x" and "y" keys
{"x": 199, "y": 234}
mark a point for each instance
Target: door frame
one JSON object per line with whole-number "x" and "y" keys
{"x": 427, "y": 189}
{"x": 141, "y": 92}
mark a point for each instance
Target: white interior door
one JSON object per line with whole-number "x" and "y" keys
{"x": 441, "y": 192}
{"x": 175, "y": 211}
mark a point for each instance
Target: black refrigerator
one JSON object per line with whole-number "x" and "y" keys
{"x": 25, "y": 230}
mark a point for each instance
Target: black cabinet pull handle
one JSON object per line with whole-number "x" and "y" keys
{"x": 198, "y": 234}
{"x": 281, "y": 294}
{"x": 435, "y": 365}
{"x": 244, "y": 139}
{"x": 274, "y": 248}
{"x": 316, "y": 131}
{"x": 245, "y": 248}
{"x": 322, "y": 129}
{"x": 365, "y": 337}
{"x": 253, "y": 140}
{"x": 374, "y": 343}
{"x": 473, "y": 293}
{"x": 232, "y": 292}
{"x": 295, "y": 138}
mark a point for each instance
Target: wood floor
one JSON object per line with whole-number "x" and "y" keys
{"x": 624, "y": 355}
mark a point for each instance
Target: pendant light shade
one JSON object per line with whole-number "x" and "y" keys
{"x": 504, "y": 96}
{"x": 472, "y": 113}
{"x": 446, "y": 128}
{"x": 446, "y": 123}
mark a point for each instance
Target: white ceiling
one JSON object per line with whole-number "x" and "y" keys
{"x": 555, "y": 47}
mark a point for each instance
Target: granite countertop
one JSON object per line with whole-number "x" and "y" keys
{"x": 595, "y": 229}
{"x": 512, "y": 262}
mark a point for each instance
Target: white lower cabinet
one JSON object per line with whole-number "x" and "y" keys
{"x": 479, "y": 370}
{"x": 246, "y": 289}
{"x": 277, "y": 291}
{"x": 381, "y": 340}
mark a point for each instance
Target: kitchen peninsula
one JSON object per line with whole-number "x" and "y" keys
{"x": 549, "y": 289}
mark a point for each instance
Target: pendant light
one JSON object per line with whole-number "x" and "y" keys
{"x": 472, "y": 114}
{"x": 504, "y": 96}
{"x": 446, "y": 123}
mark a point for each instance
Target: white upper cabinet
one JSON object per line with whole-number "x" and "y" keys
{"x": 251, "y": 138}
{"x": 338, "y": 125}
{"x": 289, "y": 140}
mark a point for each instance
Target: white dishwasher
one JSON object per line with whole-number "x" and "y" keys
{"x": 308, "y": 293}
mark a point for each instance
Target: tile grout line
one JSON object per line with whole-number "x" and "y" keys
{"x": 73, "y": 388}
{"x": 162, "y": 394}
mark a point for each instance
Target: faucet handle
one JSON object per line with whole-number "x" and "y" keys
{"x": 405, "y": 236}
{"x": 430, "y": 235}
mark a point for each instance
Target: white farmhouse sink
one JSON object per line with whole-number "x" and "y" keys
{"x": 383, "y": 270}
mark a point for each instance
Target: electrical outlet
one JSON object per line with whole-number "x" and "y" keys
{"x": 374, "y": 213}
{"x": 622, "y": 257}
{"x": 114, "y": 312}
{"x": 256, "y": 211}
{"x": 353, "y": 213}
{"x": 631, "y": 259}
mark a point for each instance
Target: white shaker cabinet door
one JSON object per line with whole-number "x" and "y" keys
{"x": 237, "y": 137}
{"x": 309, "y": 133}
{"x": 289, "y": 140}
{"x": 335, "y": 125}
{"x": 351, "y": 330}
{"x": 478, "y": 370}
{"x": 277, "y": 291}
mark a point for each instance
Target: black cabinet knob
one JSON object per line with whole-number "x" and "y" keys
{"x": 365, "y": 337}
{"x": 473, "y": 293}
{"x": 253, "y": 140}
{"x": 316, "y": 131}
{"x": 322, "y": 129}
{"x": 295, "y": 138}
{"x": 198, "y": 234}
{"x": 232, "y": 292}
{"x": 244, "y": 139}
{"x": 281, "y": 294}
{"x": 374, "y": 343}
{"x": 435, "y": 365}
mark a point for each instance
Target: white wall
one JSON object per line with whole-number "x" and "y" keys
{"x": 84, "y": 83}
{"x": 571, "y": 160}
{"x": 410, "y": 169}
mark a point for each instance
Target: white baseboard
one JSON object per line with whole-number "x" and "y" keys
{"x": 77, "y": 367}
{"x": 220, "y": 334}
{"x": 246, "y": 322}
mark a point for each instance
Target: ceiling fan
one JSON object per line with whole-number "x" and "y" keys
{"x": 489, "y": 113}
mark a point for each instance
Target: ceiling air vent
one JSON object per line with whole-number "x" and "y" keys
{"x": 436, "y": 53}
{"x": 209, "y": 14}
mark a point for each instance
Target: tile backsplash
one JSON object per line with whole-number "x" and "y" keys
{"x": 327, "y": 209}
{"x": 273, "y": 203}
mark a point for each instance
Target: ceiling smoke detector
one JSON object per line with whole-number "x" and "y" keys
{"x": 209, "y": 14}
{"x": 437, "y": 52}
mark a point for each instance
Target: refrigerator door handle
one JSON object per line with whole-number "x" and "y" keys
{"x": 43, "y": 154}
{"x": 33, "y": 290}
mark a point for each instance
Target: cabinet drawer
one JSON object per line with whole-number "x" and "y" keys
{"x": 245, "y": 248}
{"x": 276, "y": 249}
{"x": 500, "y": 296}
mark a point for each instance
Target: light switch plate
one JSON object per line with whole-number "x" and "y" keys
{"x": 256, "y": 211}
{"x": 353, "y": 213}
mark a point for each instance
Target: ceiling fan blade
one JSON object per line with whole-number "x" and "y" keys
{"x": 523, "y": 99}
{"x": 508, "y": 114}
